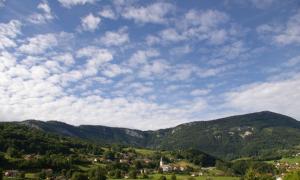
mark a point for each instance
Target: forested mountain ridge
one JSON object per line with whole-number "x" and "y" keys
{"x": 255, "y": 134}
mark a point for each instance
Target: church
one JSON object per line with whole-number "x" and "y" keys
{"x": 165, "y": 168}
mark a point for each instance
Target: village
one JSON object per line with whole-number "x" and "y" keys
{"x": 144, "y": 163}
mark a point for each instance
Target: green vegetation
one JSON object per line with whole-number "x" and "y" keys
{"x": 263, "y": 145}
{"x": 293, "y": 176}
{"x": 263, "y": 135}
{"x": 30, "y": 153}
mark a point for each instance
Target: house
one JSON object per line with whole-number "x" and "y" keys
{"x": 147, "y": 161}
{"x": 165, "y": 168}
{"x": 124, "y": 161}
{"x": 11, "y": 173}
{"x": 29, "y": 157}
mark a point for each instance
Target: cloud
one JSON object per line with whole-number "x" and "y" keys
{"x": 39, "y": 44}
{"x": 2, "y": 3}
{"x": 141, "y": 57}
{"x": 44, "y": 17}
{"x": 32, "y": 92}
{"x": 113, "y": 70}
{"x": 283, "y": 34}
{"x": 8, "y": 32}
{"x": 107, "y": 12}
{"x": 200, "y": 92}
{"x": 154, "y": 69}
{"x": 172, "y": 35}
{"x": 262, "y": 4}
{"x": 117, "y": 38}
{"x": 280, "y": 96}
{"x": 66, "y": 58}
{"x": 70, "y": 3}
{"x": 206, "y": 25}
{"x": 7, "y": 60}
{"x": 291, "y": 33}
{"x": 154, "y": 13}
{"x": 96, "y": 57}
{"x": 206, "y": 19}
{"x": 293, "y": 61}
{"x": 90, "y": 22}
{"x": 181, "y": 50}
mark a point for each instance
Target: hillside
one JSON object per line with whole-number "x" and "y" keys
{"x": 29, "y": 153}
{"x": 256, "y": 134}
{"x": 263, "y": 133}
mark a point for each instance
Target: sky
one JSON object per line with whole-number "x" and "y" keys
{"x": 148, "y": 64}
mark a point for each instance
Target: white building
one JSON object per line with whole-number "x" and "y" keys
{"x": 165, "y": 168}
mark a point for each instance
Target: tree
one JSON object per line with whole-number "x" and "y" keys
{"x": 118, "y": 174}
{"x": 97, "y": 174}
{"x": 162, "y": 178}
{"x": 12, "y": 152}
{"x": 3, "y": 161}
{"x": 132, "y": 174}
{"x": 250, "y": 175}
{"x": 293, "y": 176}
{"x": 79, "y": 176}
{"x": 1, "y": 174}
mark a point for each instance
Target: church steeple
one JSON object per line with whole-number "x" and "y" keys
{"x": 161, "y": 163}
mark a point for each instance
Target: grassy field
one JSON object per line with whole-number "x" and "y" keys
{"x": 183, "y": 177}
{"x": 291, "y": 160}
{"x": 288, "y": 160}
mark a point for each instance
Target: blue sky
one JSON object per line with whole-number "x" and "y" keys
{"x": 148, "y": 64}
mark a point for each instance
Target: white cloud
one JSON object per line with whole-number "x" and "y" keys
{"x": 233, "y": 50}
{"x": 11, "y": 29}
{"x": 66, "y": 58}
{"x": 172, "y": 35}
{"x": 291, "y": 33}
{"x": 107, "y": 12}
{"x": 151, "y": 40}
{"x": 200, "y": 92}
{"x": 117, "y": 38}
{"x": 181, "y": 50}
{"x": 218, "y": 37}
{"x": 41, "y": 18}
{"x": 183, "y": 72}
{"x": 206, "y": 25}
{"x": 113, "y": 70}
{"x": 293, "y": 61}
{"x": 8, "y": 32}
{"x": 42, "y": 43}
{"x": 283, "y": 34}
{"x": 7, "y": 60}
{"x": 206, "y": 19}
{"x": 153, "y": 69}
{"x": 282, "y": 96}
{"x": 154, "y": 13}
{"x": 96, "y": 57}
{"x": 141, "y": 57}
{"x": 39, "y": 72}
{"x": 90, "y": 22}
{"x": 39, "y": 44}
{"x": 70, "y": 3}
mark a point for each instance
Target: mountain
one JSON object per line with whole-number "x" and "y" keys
{"x": 263, "y": 133}
{"x": 256, "y": 134}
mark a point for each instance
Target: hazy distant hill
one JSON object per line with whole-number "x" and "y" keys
{"x": 244, "y": 135}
